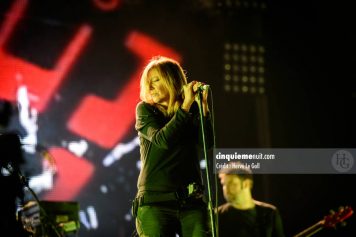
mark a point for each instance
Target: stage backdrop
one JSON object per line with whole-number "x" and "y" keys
{"x": 72, "y": 70}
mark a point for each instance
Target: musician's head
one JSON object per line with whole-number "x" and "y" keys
{"x": 162, "y": 83}
{"x": 236, "y": 181}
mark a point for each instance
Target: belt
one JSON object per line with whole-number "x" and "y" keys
{"x": 192, "y": 190}
{"x": 148, "y": 198}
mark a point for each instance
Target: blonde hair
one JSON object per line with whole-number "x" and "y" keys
{"x": 173, "y": 78}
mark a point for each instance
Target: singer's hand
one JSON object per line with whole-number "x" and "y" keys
{"x": 197, "y": 86}
{"x": 204, "y": 102}
{"x": 188, "y": 95}
{"x": 204, "y": 98}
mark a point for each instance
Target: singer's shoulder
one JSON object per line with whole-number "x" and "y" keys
{"x": 144, "y": 108}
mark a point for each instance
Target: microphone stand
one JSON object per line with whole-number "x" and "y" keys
{"x": 210, "y": 205}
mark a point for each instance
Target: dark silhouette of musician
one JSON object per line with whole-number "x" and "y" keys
{"x": 12, "y": 188}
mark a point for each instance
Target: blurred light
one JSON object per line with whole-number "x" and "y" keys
{"x": 245, "y": 69}
{"x": 227, "y": 87}
{"x": 89, "y": 218}
{"x": 5, "y": 172}
{"x": 28, "y": 120}
{"x": 138, "y": 165}
{"x": 93, "y": 217}
{"x": 253, "y": 90}
{"x": 244, "y": 58}
{"x": 103, "y": 189}
{"x": 202, "y": 164}
{"x": 252, "y": 49}
{"x": 128, "y": 217}
{"x": 84, "y": 220}
{"x": 42, "y": 182}
{"x": 243, "y": 48}
{"x": 253, "y": 79}
{"x": 120, "y": 150}
{"x": 253, "y": 59}
{"x": 236, "y": 47}
{"x": 261, "y": 70}
{"x": 261, "y": 49}
{"x": 227, "y": 67}
{"x": 232, "y": 6}
{"x": 261, "y": 60}
{"x": 78, "y": 148}
{"x": 244, "y": 89}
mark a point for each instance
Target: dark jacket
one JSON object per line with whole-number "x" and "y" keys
{"x": 169, "y": 147}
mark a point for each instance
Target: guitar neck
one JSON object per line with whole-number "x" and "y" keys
{"x": 311, "y": 230}
{"x": 328, "y": 221}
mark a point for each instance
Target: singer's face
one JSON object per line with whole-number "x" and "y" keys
{"x": 158, "y": 90}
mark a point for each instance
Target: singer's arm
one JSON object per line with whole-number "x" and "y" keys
{"x": 149, "y": 125}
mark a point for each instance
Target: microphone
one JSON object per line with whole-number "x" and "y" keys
{"x": 203, "y": 87}
{"x": 199, "y": 88}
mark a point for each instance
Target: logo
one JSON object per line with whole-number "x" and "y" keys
{"x": 342, "y": 161}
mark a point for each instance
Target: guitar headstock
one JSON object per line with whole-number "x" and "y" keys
{"x": 331, "y": 220}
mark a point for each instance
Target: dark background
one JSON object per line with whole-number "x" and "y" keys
{"x": 309, "y": 99}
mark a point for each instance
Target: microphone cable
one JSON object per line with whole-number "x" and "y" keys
{"x": 214, "y": 175}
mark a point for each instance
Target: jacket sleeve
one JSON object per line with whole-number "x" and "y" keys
{"x": 148, "y": 126}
